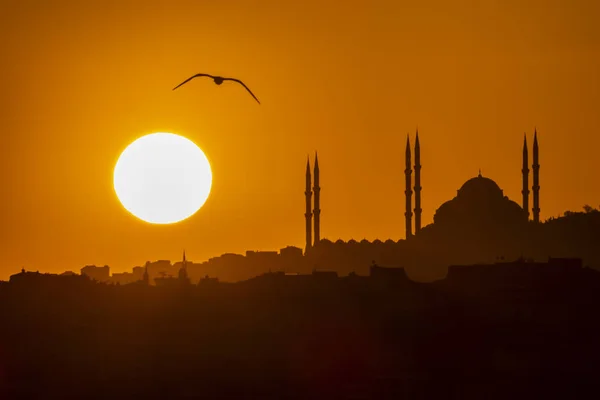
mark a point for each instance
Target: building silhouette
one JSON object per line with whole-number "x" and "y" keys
{"x": 479, "y": 206}
{"x": 408, "y": 190}
{"x": 146, "y": 277}
{"x": 100, "y": 274}
{"x": 417, "y": 184}
{"x": 183, "y": 273}
{"x": 317, "y": 200}
{"x": 312, "y": 217}
{"x": 536, "y": 179}
{"x": 308, "y": 213}
{"x": 525, "y": 172}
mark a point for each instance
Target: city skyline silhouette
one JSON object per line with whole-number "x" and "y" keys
{"x": 478, "y": 193}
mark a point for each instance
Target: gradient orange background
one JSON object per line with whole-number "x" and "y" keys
{"x": 83, "y": 79}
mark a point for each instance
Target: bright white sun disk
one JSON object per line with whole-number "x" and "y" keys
{"x": 162, "y": 178}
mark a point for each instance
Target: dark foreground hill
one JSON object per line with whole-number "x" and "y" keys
{"x": 341, "y": 338}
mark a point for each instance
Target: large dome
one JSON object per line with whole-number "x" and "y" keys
{"x": 480, "y": 205}
{"x": 480, "y": 187}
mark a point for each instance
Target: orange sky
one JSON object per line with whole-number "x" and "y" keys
{"x": 81, "y": 80}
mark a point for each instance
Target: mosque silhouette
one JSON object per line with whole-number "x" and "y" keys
{"x": 480, "y": 225}
{"x": 479, "y": 198}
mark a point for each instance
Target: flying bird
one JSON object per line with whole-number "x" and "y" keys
{"x": 219, "y": 80}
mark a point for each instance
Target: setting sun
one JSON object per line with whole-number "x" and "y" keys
{"x": 162, "y": 178}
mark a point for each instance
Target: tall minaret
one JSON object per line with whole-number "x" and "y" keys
{"x": 525, "y": 172}
{"x": 408, "y": 191}
{"x": 317, "y": 210}
{"x": 417, "y": 185}
{"x": 536, "y": 179}
{"x": 308, "y": 213}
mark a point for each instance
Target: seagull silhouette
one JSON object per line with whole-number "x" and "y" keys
{"x": 219, "y": 80}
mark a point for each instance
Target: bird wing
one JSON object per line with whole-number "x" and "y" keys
{"x": 189, "y": 79}
{"x": 242, "y": 83}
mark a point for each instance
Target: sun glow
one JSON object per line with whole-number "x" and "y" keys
{"x": 162, "y": 178}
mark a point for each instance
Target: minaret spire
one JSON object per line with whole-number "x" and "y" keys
{"x": 308, "y": 213}
{"x": 317, "y": 209}
{"x": 536, "y": 179}
{"x": 525, "y": 172}
{"x": 408, "y": 191}
{"x": 183, "y": 274}
{"x": 417, "y": 184}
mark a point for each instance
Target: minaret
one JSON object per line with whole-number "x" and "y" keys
{"x": 525, "y": 172}
{"x": 308, "y": 214}
{"x": 408, "y": 191}
{"x": 183, "y": 275}
{"x": 417, "y": 185}
{"x": 317, "y": 210}
{"x": 536, "y": 179}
